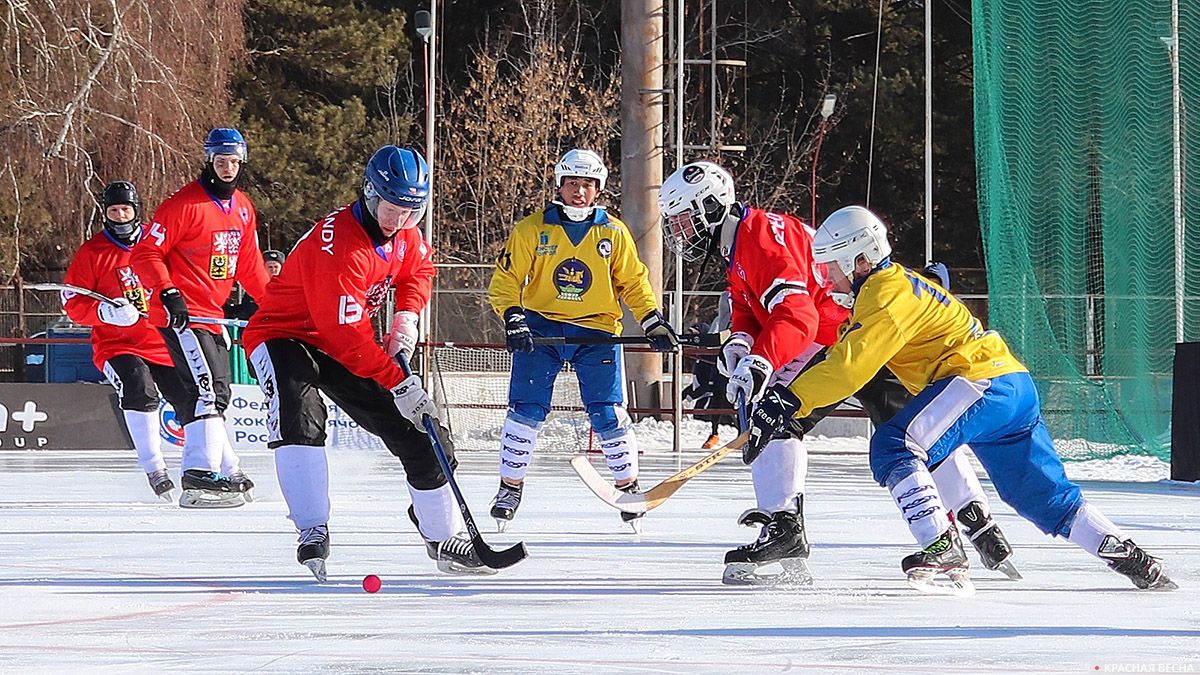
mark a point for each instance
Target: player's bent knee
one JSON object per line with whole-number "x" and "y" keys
{"x": 531, "y": 415}
{"x": 608, "y": 420}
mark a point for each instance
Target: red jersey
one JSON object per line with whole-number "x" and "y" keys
{"x": 335, "y": 279}
{"x": 201, "y": 245}
{"x": 776, "y": 298}
{"x": 102, "y": 265}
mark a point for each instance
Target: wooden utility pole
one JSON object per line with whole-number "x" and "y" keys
{"x": 642, "y": 166}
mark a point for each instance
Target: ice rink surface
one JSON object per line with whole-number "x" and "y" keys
{"x": 96, "y": 576}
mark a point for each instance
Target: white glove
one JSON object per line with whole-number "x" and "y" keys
{"x": 412, "y": 401}
{"x": 736, "y": 348}
{"x": 122, "y": 313}
{"x": 403, "y": 338}
{"x": 750, "y": 377}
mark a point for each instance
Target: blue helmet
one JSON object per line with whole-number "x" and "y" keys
{"x": 399, "y": 176}
{"x": 225, "y": 141}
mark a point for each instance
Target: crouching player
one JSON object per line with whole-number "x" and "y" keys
{"x": 313, "y": 334}
{"x": 967, "y": 387}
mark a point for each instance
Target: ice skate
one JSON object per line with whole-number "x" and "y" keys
{"x": 945, "y": 556}
{"x": 989, "y": 541}
{"x": 242, "y": 483}
{"x": 712, "y": 442}
{"x": 314, "y": 550}
{"x": 208, "y": 490}
{"x": 1144, "y": 570}
{"x": 455, "y": 555}
{"x": 161, "y": 483}
{"x": 634, "y": 519}
{"x": 504, "y": 506}
{"x": 782, "y": 541}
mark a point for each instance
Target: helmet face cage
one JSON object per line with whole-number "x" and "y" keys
{"x": 694, "y": 202}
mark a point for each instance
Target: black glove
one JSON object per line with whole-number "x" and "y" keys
{"x": 938, "y": 271}
{"x": 177, "y": 309}
{"x": 517, "y": 337}
{"x": 769, "y": 419}
{"x": 662, "y": 337}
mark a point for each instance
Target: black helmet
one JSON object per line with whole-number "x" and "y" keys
{"x": 273, "y": 255}
{"x": 122, "y": 192}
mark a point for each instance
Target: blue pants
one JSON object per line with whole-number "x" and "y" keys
{"x": 1001, "y": 419}
{"x": 600, "y": 369}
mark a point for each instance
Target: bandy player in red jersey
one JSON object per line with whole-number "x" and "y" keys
{"x": 201, "y": 240}
{"x": 125, "y": 347}
{"x": 782, "y": 320}
{"x": 313, "y": 334}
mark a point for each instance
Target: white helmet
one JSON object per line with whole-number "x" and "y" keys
{"x": 694, "y": 202}
{"x": 848, "y": 233}
{"x": 581, "y": 164}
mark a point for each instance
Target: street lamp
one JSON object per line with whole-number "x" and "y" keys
{"x": 827, "y": 106}
{"x": 423, "y": 22}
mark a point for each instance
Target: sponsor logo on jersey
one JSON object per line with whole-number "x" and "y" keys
{"x": 777, "y": 227}
{"x": 572, "y": 278}
{"x": 131, "y": 288}
{"x": 544, "y": 246}
{"x": 604, "y": 248}
{"x": 222, "y": 260}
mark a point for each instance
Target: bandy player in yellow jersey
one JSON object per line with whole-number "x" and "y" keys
{"x": 967, "y": 387}
{"x": 563, "y": 273}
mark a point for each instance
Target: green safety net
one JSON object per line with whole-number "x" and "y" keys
{"x": 1074, "y": 122}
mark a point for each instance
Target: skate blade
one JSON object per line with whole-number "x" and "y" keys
{"x": 451, "y": 567}
{"x": 203, "y": 499}
{"x": 636, "y": 525}
{"x": 501, "y": 524}
{"x": 168, "y": 496}
{"x": 248, "y": 495}
{"x": 953, "y": 582}
{"x": 1009, "y": 570}
{"x": 794, "y": 572}
{"x": 317, "y": 567}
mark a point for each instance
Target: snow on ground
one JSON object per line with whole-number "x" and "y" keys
{"x": 97, "y": 576}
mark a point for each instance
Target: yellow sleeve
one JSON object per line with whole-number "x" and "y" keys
{"x": 513, "y": 266}
{"x": 870, "y": 341}
{"x": 630, "y": 278}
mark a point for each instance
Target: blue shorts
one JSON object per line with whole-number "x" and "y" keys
{"x": 1001, "y": 419}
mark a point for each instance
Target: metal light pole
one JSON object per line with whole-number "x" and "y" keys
{"x": 827, "y": 105}
{"x": 424, "y": 22}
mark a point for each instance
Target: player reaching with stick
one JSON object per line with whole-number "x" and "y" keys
{"x": 967, "y": 387}
{"x": 563, "y": 273}
{"x": 313, "y": 335}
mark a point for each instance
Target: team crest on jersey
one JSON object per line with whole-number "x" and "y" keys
{"x": 573, "y": 279}
{"x": 222, "y": 261}
{"x": 377, "y": 293}
{"x": 544, "y": 246}
{"x": 245, "y": 214}
{"x": 131, "y": 288}
{"x": 604, "y": 248}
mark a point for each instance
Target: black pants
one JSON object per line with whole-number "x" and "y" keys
{"x": 292, "y": 375}
{"x": 138, "y": 383}
{"x": 881, "y": 398}
{"x": 202, "y": 361}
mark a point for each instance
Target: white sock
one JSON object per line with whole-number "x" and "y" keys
{"x": 195, "y": 455}
{"x": 437, "y": 512}
{"x": 921, "y": 506}
{"x": 303, "y": 473}
{"x": 1090, "y": 527}
{"x": 779, "y": 474}
{"x": 516, "y": 450}
{"x": 621, "y": 454}
{"x": 143, "y": 429}
{"x": 957, "y": 482}
{"x": 229, "y": 458}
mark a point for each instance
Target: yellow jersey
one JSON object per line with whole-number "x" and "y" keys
{"x": 572, "y": 272}
{"x": 914, "y": 327}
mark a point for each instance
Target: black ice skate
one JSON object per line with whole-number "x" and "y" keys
{"x": 161, "y": 483}
{"x": 313, "y": 550}
{"x": 1144, "y": 570}
{"x": 944, "y": 556}
{"x": 504, "y": 506}
{"x": 242, "y": 483}
{"x": 208, "y": 490}
{"x": 985, "y": 535}
{"x": 782, "y": 540}
{"x": 634, "y": 519}
{"x": 455, "y": 555}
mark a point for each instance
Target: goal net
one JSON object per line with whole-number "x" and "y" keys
{"x": 470, "y": 386}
